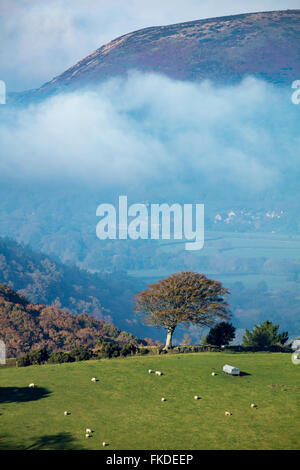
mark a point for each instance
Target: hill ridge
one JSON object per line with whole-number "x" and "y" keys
{"x": 264, "y": 44}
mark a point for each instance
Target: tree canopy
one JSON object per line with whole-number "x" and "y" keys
{"x": 221, "y": 333}
{"x": 264, "y": 336}
{"x": 186, "y": 297}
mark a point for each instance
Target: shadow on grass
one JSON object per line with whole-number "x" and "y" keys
{"x": 7, "y": 444}
{"x": 61, "y": 441}
{"x": 22, "y": 394}
{"x": 241, "y": 374}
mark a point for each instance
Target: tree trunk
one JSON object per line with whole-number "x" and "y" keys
{"x": 169, "y": 338}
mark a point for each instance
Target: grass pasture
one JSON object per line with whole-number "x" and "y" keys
{"x": 124, "y": 407}
{"x": 231, "y": 245}
{"x": 243, "y": 244}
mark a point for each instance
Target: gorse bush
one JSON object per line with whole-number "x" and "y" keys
{"x": 59, "y": 357}
{"x": 41, "y": 356}
{"x": 143, "y": 351}
{"x": 128, "y": 349}
{"x": 110, "y": 350}
{"x": 81, "y": 353}
{"x": 23, "y": 361}
{"x": 37, "y": 356}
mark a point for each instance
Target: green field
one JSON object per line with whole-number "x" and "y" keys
{"x": 230, "y": 245}
{"x": 243, "y": 244}
{"x": 124, "y": 407}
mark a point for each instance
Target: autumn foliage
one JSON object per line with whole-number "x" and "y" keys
{"x": 186, "y": 297}
{"x": 25, "y": 326}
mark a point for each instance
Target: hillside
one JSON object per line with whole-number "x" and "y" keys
{"x": 124, "y": 407}
{"x": 260, "y": 288}
{"x": 44, "y": 280}
{"x": 265, "y": 45}
{"x": 25, "y": 326}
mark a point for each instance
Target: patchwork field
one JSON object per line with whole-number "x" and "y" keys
{"x": 248, "y": 244}
{"x": 124, "y": 407}
{"x": 231, "y": 245}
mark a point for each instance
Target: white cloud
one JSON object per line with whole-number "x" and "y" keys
{"x": 148, "y": 131}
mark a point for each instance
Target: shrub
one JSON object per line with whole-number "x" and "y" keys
{"x": 23, "y": 361}
{"x": 59, "y": 357}
{"x": 110, "y": 350}
{"x": 80, "y": 353}
{"x": 38, "y": 356}
{"x": 143, "y": 351}
{"x": 128, "y": 349}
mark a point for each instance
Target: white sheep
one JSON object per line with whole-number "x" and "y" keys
{"x": 213, "y": 374}
{"x": 150, "y": 371}
{"x": 196, "y": 397}
{"x": 87, "y": 435}
{"x": 163, "y": 399}
{"x": 158, "y": 372}
{"x": 31, "y": 385}
{"x": 66, "y": 413}
{"x": 88, "y": 431}
{"x": 104, "y": 444}
{"x": 94, "y": 379}
{"x": 253, "y": 405}
{"x": 227, "y": 413}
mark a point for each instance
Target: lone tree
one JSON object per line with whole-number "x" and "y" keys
{"x": 221, "y": 333}
{"x": 186, "y": 297}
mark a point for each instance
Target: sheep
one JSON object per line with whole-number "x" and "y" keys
{"x": 66, "y": 413}
{"x": 88, "y": 431}
{"x": 158, "y": 372}
{"x": 150, "y": 371}
{"x": 253, "y": 405}
{"x": 213, "y": 374}
{"x": 94, "y": 379}
{"x": 104, "y": 444}
{"x": 227, "y": 413}
{"x": 196, "y": 397}
{"x": 88, "y": 435}
{"x": 163, "y": 399}
{"x": 31, "y": 385}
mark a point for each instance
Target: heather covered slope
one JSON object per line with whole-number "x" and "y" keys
{"x": 226, "y": 49}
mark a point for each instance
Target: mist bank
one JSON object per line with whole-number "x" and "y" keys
{"x": 148, "y": 134}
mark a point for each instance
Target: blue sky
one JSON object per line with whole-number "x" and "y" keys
{"x": 40, "y": 39}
